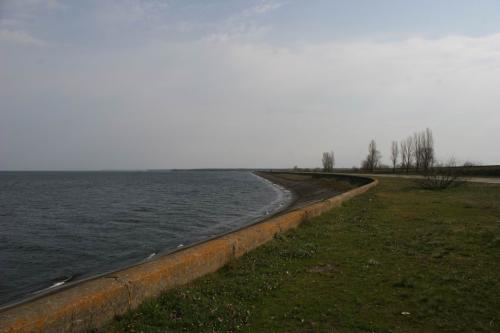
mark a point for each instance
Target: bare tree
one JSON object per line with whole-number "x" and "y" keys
{"x": 404, "y": 156}
{"x": 423, "y": 150}
{"x": 427, "y": 150}
{"x": 328, "y": 161}
{"x": 394, "y": 155}
{"x": 407, "y": 149}
{"x": 416, "y": 150}
{"x": 372, "y": 160}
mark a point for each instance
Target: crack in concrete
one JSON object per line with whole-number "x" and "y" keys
{"x": 127, "y": 285}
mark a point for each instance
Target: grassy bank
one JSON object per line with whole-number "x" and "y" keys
{"x": 466, "y": 171}
{"x": 397, "y": 259}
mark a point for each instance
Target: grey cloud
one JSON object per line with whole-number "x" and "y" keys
{"x": 239, "y": 103}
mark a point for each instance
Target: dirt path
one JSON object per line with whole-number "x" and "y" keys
{"x": 467, "y": 179}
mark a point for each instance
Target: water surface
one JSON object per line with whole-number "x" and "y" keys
{"x": 58, "y": 226}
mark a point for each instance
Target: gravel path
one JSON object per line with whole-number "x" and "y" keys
{"x": 467, "y": 179}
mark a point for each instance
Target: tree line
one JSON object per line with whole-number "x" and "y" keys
{"x": 415, "y": 152}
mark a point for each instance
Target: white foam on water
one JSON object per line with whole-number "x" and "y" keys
{"x": 54, "y": 285}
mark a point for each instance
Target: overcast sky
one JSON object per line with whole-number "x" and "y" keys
{"x": 189, "y": 84}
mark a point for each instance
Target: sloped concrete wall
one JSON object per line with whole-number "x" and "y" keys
{"x": 91, "y": 304}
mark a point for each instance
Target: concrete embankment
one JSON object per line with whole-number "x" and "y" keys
{"x": 91, "y": 304}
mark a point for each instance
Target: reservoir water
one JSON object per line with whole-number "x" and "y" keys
{"x": 57, "y": 227}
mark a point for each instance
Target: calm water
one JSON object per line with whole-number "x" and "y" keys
{"x": 57, "y": 226}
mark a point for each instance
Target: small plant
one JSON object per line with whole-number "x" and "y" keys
{"x": 440, "y": 176}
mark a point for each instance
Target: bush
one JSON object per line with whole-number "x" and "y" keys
{"x": 440, "y": 176}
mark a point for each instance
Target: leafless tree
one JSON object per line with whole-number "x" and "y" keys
{"x": 404, "y": 156}
{"x": 427, "y": 149}
{"x": 394, "y": 155}
{"x": 417, "y": 150}
{"x": 423, "y": 150}
{"x": 372, "y": 160}
{"x": 407, "y": 149}
{"x": 328, "y": 161}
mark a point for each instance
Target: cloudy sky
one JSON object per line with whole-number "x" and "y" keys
{"x": 123, "y": 84}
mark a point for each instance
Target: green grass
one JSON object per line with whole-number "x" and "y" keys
{"x": 358, "y": 268}
{"x": 467, "y": 171}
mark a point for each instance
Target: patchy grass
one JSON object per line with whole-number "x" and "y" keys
{"x": 397, "y": 259}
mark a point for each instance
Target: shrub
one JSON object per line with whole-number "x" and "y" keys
{"x": 440, "y": 176}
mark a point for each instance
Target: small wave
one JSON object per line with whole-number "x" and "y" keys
{"x": 151, "y": 256}
{"x": 56, "y": 283}
{"x": 143, "y": 209}
{"x": 127, "y": 220}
